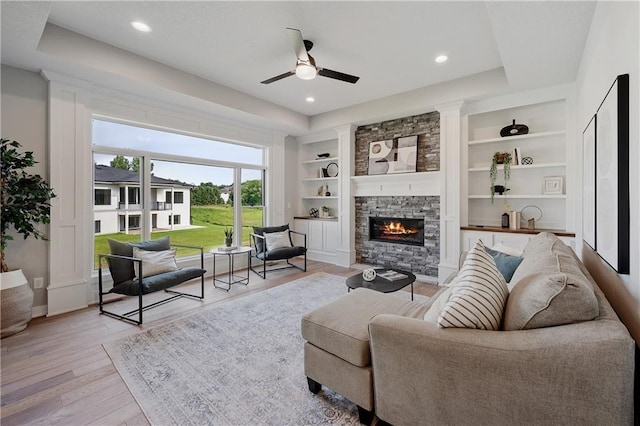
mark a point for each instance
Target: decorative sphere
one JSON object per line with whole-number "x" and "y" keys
{"x": 369, "y": 274}
{"x": 314, "y": 212}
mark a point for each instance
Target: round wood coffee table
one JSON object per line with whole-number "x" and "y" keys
{"x": 380, "y": 284}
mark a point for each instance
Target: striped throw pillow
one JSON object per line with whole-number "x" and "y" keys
{"x": 478, "y": 296}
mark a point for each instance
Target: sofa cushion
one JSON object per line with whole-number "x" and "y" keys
{"x": 478, "y": 294}
{"x": 122, "y": 270}
{"x": 556, "y": 293}
{"x": 506, "y": 263}
{"x": 260, "y": 230}
{"x": 342, "y": 326}
{"x": 274, "y": 240}
{"x": 156, "y": 262}
{"x": 440, "y": 300}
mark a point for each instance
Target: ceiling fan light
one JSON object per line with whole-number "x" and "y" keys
{"x": 306, "y": 71}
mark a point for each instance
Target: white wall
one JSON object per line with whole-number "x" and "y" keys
{"x": 24, "y": 115}
{"x": 613, "y": 48}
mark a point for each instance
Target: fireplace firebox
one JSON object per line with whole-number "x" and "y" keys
{"x": 397, "y": 230}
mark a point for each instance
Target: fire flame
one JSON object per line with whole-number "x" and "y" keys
{"x": 396, "y": 228}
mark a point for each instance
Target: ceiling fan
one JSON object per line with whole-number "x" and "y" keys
{"x": 306, "y": 68}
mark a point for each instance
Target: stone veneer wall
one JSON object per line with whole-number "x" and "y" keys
{"x": 420, "y": 260}
{"x": 426, "y": 126}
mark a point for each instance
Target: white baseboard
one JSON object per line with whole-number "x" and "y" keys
{"x": 39, "y": 311}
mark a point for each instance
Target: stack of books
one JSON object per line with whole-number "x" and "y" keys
{"x": 391, "y": 275}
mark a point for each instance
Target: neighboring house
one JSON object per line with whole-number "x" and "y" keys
{"x": 118, "y": 203}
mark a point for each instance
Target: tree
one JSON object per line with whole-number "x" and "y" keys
{"x": 205, "y": 194}
{"x": 135, "y": 165}
{"x": 252, "y": 193}
{"x": 119, "y": 162}
{"x": 25, "y": 197}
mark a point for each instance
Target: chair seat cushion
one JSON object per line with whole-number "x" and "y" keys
{"x": 157, "y": 282}
{"x": 282, "y": 253}
{"x": 342, "y": 326}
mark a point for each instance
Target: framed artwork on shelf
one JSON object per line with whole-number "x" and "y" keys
{"x": 612, "y": 216}
{"x": 552, "y": 185}
{"x": 391, "y": 156}
{"x": 589, "y": 183}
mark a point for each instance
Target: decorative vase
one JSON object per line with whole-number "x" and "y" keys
{"x": 228, "y": 242}
{"x": 17, "y": 302}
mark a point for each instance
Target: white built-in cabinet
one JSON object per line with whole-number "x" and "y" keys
{"x": 547, "y": 118}
{"x": 322, "y": 233}
{"x": 322, "y": 238}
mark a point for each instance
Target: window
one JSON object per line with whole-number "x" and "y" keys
{"x": 102, "y": 197}
{"x": 189, "y": 182}
{"x": 96, "y": 226}
{"x": 134, "y": 222}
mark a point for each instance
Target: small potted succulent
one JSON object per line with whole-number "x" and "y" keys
{"x": 503, "y": 158}
{"x": 228, "y": 236}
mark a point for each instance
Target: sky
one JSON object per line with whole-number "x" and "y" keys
{"x": 118, "y": 135}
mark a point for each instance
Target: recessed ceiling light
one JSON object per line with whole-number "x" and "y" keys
{"x": 310, "y": 99}
{"x": 141, "y": 26}
{"x": 442, "y": 58}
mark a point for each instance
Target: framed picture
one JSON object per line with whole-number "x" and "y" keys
{"x": 552, "y": 185}
{"x": 589, "y": 183}
{"x": 393, "y": 156}
{"x": 612, "y": 177}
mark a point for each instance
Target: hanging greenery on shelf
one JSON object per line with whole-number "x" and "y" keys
{"x": 503, "y": 158}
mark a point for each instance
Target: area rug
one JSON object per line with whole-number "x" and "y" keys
{"x": 238, "y": 363}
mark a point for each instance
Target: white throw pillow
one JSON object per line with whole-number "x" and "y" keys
{"x": 275, "y": 240}
{"x": 155, "y": 262}
{"x": 511, "y": 251}
{"x": 478, "y": 295}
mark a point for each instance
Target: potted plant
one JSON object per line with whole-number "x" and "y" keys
{"x": 25, "y": 205}
{"x": 228, "y": 236}
{"x": 503, "y": 158}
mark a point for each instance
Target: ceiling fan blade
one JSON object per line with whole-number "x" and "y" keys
{"x": 279, "y": 77}
{"x": 338, "y": 75}
{"x": 298, "y": 44}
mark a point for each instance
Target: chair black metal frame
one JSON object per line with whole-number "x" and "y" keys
{"x": 141, "y": 307}
{"x": 254, "y": 254}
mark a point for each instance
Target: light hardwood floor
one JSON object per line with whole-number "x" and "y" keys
{"x": 56, "y": 372}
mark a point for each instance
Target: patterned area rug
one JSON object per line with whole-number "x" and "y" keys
{"x": 238, "y": 363}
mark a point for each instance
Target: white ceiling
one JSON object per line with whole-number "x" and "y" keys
{"x": 235, "y": 45}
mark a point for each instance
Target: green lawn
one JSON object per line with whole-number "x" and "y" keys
{"x": 211, "y": 222}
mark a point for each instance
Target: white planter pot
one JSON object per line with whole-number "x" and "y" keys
{"x": 16, "y": 302}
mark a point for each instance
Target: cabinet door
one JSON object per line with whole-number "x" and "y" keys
{"x": 300, "y": 225}
{"x": 330, "y": 236}
{"x": 314, "y": 237}
{"x": 470, "y": 238}
{"x": 516, "y": 241}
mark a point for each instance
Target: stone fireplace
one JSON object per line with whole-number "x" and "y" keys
{"x": 397, "y": 217}
{"x": 421, "y": 255}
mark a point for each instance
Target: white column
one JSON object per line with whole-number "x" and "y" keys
{"x": 70, "y": 169}
{"x": 450, "y": 144}
{"x": 346, "y": 253}
{"x": 276, "y": 181}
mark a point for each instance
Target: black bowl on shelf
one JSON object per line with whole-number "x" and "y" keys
{"x": 324, "y": 155}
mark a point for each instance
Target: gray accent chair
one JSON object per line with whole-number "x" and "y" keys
{"x": 263, "y": 256}
{"x": 122, "y": 267}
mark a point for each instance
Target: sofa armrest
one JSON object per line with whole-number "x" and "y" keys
{"x": 579, "y": 373}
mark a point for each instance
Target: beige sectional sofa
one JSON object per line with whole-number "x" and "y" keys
{"x": 565, "y": 359}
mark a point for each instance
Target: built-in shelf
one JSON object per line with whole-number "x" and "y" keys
{"x": 519, "y": 137}
{"x": 321, "y": 179}
{"x": 558, "y": 232}
{"x": 528, "y": 166}
{"x": 320, "y": 160}
{"x": 521, "y": 196}
{"x": 317, "y": 197}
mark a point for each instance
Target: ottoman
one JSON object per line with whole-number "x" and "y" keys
{"x": 336, "y": 351}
